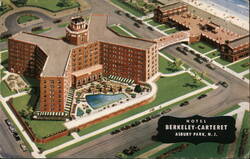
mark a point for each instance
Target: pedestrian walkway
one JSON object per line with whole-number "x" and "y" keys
{"x": 126, "y": 31}
{"x": 210, "y": 51}
{"x": 237, "y": 61}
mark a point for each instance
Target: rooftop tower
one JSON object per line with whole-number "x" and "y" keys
{"x": 77, "y": 31}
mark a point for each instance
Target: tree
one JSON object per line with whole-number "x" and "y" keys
{"x": 88, "y": 111}
{"x": 203, "y": 74}
{"x": 138, "y": 88}
{"x": 178, "y": 63}
{"x": 196, "y": 78}
{"x": 64, "y": 3}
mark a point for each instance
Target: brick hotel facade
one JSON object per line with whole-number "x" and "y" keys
{"x": 89, "y": 52}
{"x": 232, "y": 46}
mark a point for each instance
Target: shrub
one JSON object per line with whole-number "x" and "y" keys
{"x": 133, "y": 95}
{"x": 88, "y": 111}
{"x": 138, "y": 89}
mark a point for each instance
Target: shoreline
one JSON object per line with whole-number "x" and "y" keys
{"x": 221, "y": 13}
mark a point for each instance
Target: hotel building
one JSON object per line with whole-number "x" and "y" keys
{"x": 232, "y": 45}
{"x": 90, "y": 50}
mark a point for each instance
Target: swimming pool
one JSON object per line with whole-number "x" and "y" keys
{"x": 99, "y": 100}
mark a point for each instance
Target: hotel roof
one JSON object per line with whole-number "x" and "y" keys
{"x": 237, "y": 42}
{"x": 172, "y": 6}
{"x": 98, "y": 31}
{"x": 56, "y": 50}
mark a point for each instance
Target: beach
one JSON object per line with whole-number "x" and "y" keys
{"x": 220, "y": 12}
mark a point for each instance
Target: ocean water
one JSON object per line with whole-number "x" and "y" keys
{"x": 239, "y": 8}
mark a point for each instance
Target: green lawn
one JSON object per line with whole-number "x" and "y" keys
{"x": 148, "y": 19}
{"x": 245, "y": 124}
{"x": 2, "y": 73}
{"x": 239, "y": 66}
{"x": 163, "y": 27}
{"x": 166, "y": 66}
{"x": 4, "y": 89}
{"x": 40, "y": 128}
{"x": 202, "y": 47}
{"x": 51, "y": 5}
{"x": 221, "y": 61}
{"x": 118, "y": 30}
{"x": 26, "y": 18}
{"x": 54, "y": 143}
{"x": 228, "y": 110}
{"x": 5, "y": 8}
{"x": 127, "y": 8}
{"x": 203, "y": 150}
{"x": 174, "y": 30}
{"x": 130, "y": 31}
{"x": 167, "y": 54}
{"x": 247, "y": 76}
{"x": 41, "y": 31}
{"x": 63, "y": 25}
{"x": 213, "y": 54}
{"x": 154, "y": 23}
{"x": 4, "y": 59}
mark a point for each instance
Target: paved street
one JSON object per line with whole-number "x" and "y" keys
{"x": 217, "y": 101}
{"x": 9, "y": 147}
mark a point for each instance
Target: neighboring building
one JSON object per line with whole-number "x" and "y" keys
{"x": 236, "y": 49}
{"x": 89, "y": 52}
{"x": 161, "y": 14}
{"x": 178, "y": 15}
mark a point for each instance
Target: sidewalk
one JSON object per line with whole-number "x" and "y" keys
{"x": 19, "y": 126}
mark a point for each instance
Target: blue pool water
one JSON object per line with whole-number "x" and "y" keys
{"x": 99, "y": 100}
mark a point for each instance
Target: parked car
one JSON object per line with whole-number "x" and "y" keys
{"x": 202, "y": 96}
{"x": 139, "y": 21}
{"x": 184, "y": 104}
{"x": 57, "y": 21}
{"x": 23, "y": 147}
{"x": 150, "y": 28}
{"x": 118, "y": 12}
{"x": 137, "y": 25}
{"x": 210, "y": 66}
{"x": 115, "y": 132}
{"x": 8, "y": 122}
{"x": 16, "y": 136}
{"x": 224, "y": 84}
{"x": 128, "y": 152}
{"x": 136, "y": 123}
{"x": 146, "y": 119}
{"x": 12, "y": 129}
{"x": 198, "y": 60}
{"x": 192, "y": 52}
{"x": 204, "y": 59}
{"x": 166, "y": 111}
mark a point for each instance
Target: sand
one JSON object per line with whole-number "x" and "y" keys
{"x": 224, "y": 14}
